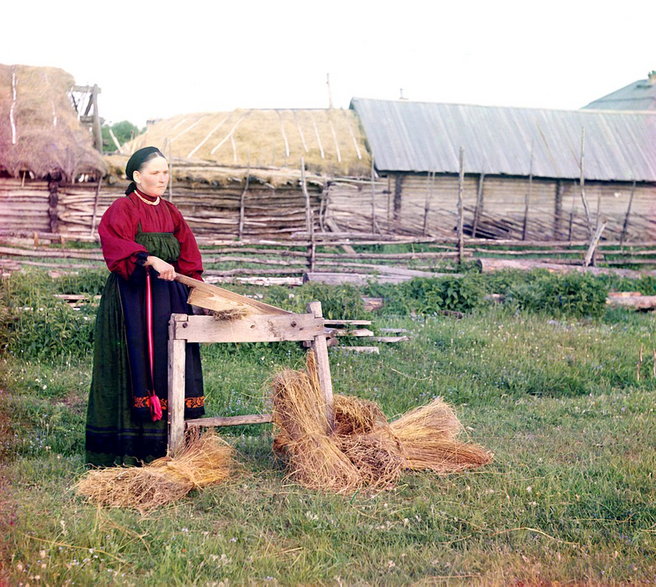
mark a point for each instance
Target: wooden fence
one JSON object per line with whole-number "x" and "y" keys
{"x": 495, "y": 208}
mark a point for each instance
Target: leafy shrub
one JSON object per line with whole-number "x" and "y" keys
{"x": 573, "y": 294}
{"x": 86, "y": 281}
{"x": 36, "y": 325}
{"x": 337, "y": 301}
{"x": 424, "y": 295}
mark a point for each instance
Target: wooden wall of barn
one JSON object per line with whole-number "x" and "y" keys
{"x": 267, "y": 212}
{"x": 404, "y": 205}
{"x": 494, "y": 207}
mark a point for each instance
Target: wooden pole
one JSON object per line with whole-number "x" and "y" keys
{"x": 97, "y": 132}
{"x": 176, "y": 368}
{"x": 374, "y": 225}
{"x": 242, "y": 203}
{"x": 95, "y": 207}
{"x": 320, "y": 348}
{"x": 461, "y": 186}
{"x": 593, "y": 244}
{"x": 625, "y": 226}
{"x": 527, "y": 197}
{"x": 479, "y": 204}
{"x": 429, "y": 194}
{"x": 168, "y": 149}
{"x": 309, "y": 222}
{"x": 584, "y": 199}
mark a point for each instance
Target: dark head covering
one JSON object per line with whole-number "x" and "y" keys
{"x": 136, "y": 162}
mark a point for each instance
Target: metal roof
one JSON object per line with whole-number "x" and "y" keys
{"x": 424, "y": 136}
{"x": 640, "y": 95}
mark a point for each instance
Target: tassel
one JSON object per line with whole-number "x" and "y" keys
{"x": 153, "y": 400}
{"x": 155, "y": 407}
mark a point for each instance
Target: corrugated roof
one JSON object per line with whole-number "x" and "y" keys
{"x": 423, "y": 136}
{"x": 640, "y": 95}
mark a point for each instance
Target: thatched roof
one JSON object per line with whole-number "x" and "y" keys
{"x": 330, "y": 141}
{"x": 207, "y": 174}
{"x": 39, "y": 128}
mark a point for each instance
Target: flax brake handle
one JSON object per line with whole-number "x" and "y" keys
{"x": 216, "y": 298}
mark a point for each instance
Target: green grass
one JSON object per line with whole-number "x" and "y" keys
{"x": 570, "y": 495}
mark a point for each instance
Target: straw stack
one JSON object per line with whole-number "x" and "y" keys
{"x": 205, "y": 460}
{"x": 362, "y": 450}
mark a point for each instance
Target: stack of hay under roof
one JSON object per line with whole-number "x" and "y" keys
{"x": 39, "y": 130}
{"x": 329, "y": 141}
{"x": 42, "y": 147}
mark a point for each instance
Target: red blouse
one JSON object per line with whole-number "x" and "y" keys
{"x": 120, "y": 224}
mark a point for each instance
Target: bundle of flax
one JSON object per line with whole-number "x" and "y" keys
{"x": 362, "y": 450}
{"x": 205, "y": 460}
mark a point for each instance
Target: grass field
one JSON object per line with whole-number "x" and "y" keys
{"x": 564, "y": 405}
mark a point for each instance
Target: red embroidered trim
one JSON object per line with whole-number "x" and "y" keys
{"x": 190, "y": 402}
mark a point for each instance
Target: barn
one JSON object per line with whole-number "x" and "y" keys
{"x": 528, "y": 173}
{"x": 639, "y": 95}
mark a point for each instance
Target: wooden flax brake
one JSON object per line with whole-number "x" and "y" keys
{"x": 244, "y": 320}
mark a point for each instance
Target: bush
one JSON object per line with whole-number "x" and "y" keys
{"x": 338, "y": 302}
{"x": 424, "y": 295}
{"x": 36, "y": 325}
{"x": 574, "y": 294}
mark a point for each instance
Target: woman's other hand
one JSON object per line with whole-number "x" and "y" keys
{"x": 166, "y": 271}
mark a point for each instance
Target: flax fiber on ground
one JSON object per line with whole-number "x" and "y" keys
{"x": 363, "y": 450}
{"x": 205, "y": 460}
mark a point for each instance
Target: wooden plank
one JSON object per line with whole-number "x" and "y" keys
{"x": 638, "y": 302}
{"x": 212, "y": 291}
{"x": 349, "y": 322}
{"x": 320, "y": 348}
{"x": 255, "y": 328}
{"x": 357, "y": 332}
{"x": 390, "y": 339}
{"x": 361, "y": 349}
{"x": 231, "y": 420}
{"x": 176, "y": 369}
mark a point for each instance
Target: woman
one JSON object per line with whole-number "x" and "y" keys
{"x": 145, "y": 241}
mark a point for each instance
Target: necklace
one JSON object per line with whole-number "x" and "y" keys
{"x": 154, "y": 203}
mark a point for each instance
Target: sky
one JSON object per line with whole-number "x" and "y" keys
{"x": 157, "y": 59}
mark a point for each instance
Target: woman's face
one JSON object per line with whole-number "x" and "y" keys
{"x": 153, "y": 177}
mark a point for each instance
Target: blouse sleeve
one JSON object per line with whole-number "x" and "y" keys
{"x": 189, "y": 262}
{"x": 117, "y": 230}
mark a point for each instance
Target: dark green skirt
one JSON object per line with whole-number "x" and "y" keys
{"x": 119, "y": 428}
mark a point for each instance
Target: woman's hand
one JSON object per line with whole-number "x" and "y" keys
{"x": 166, "y": 271}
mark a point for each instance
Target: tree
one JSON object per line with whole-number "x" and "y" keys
{"x": 123, "y": 131}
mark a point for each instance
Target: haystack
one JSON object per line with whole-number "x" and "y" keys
{"x": 330, "y": 140}
{"x": 39, "y": 129}
{"x": 362, "y": 450}
{"x": 205, "y": 460}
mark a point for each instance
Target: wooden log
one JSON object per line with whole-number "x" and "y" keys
{"x": 176, "y": 370}
{"x": 638, "y": 302}
{"x": 360, "y": 349}
{"x": 389, "y": 339}
{"x": 347, "y": 322}
{"x": 357, "y": 332}
{"x": 230, "y": 420}
{"x": 490, "y": 265}
{"x": 320, "y": 348}
{"x": 352, "y": 278}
